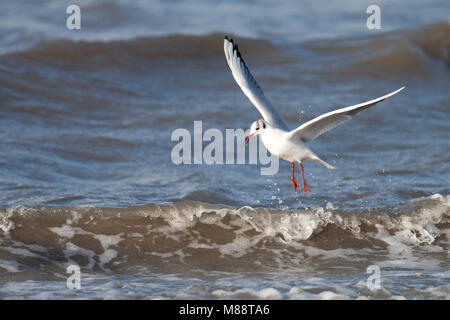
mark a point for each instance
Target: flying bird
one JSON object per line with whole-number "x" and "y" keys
{"x": 282, "y": 142}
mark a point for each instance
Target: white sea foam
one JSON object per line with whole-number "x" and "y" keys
{"x": 302, "y": 248}
{"x": 10, "y": 265}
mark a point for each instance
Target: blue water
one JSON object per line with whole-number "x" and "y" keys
{"x": 86, "y": 119}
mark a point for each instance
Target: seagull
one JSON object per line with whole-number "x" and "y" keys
{"x": 276, "y": 136}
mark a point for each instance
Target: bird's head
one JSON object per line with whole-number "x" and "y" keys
{"x": 257, "y": 127}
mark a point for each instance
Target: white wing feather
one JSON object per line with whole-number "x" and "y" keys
{"x": 315, "y": 127}
{"x": 249, "y": 86}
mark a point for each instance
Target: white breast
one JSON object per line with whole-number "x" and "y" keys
{"x": 278, "y": 143}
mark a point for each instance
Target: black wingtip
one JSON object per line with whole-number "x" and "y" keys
{"x": 230, "y": 39}
{"x": 235, "y": 47}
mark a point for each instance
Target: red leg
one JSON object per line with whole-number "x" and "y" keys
{"x": 294, "y": 182}
{"x": 305, "y": 185}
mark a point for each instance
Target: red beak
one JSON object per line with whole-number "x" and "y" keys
{"x": 247, "y": 139}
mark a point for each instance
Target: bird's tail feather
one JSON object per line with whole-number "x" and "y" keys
{"x": 329, "y": 166}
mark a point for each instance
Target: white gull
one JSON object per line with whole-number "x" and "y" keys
{"x": 282, "y": 142}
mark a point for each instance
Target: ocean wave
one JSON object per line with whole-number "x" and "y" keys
{"x": 434, "y": 40}
{"x": 407, "y": 51}
{"x": 102, "y": 54}
{"x": 392, "y": 51}
{"x": 199, "y": 235}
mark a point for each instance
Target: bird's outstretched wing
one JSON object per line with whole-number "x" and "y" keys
{"x": 249, "y": 86}
{"x": 315, "y": 127}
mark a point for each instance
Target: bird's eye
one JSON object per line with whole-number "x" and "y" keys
{"x": 257, "y": 128}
